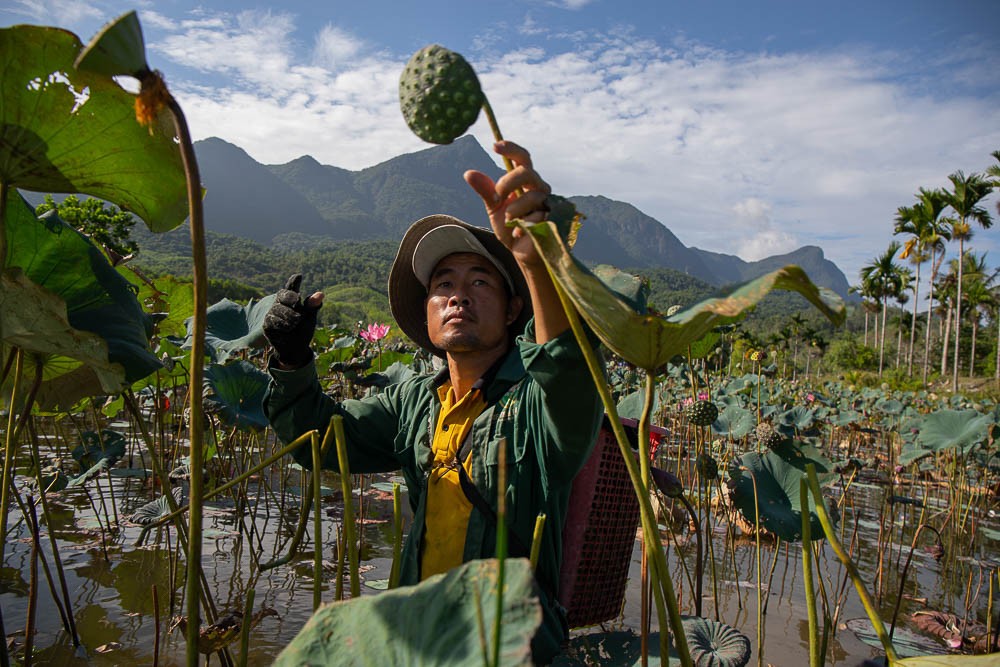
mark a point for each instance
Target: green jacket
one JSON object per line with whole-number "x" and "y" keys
{"x": 542, "y": 400}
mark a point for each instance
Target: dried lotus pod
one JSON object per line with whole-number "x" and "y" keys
{"x": 439, "y": 94}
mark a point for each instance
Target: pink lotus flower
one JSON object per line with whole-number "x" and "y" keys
{"x": 375, "y": 332}
{"x": 810, "y": 397}
{"x": 703, "y": 396}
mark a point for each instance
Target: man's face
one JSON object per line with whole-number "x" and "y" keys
{"x": 468, "y": 309}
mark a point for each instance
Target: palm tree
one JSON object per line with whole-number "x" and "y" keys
{"x": 929, "y": 231}
{"x": 964, "y": 198}
{"x": 979, "y": 297}
{"x": 883, "y": 277}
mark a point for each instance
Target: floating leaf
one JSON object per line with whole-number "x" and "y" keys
{"x": 95, "y": 447}
{"x": 649, "y": 341}
{"x": 433, "y": 623}
{"x": 63, "y": 130}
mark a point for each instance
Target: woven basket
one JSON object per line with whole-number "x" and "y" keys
{"x": 598, "y": 536}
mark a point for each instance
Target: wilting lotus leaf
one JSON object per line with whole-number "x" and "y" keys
{"x": 89, "y": 474}
{"x": 953, "y": 429}
{"x": 777, "y": 487}
{"x": 61, "y": 298}
{"x": 156, "y": 509}
{"x": 232, "y": 328}
{"x": 432, "y": 623}
{"x": 715, "y": 644}
{"x": 649, "y": 341}
{"x": 94, "y": 447}
{"x": 736, "y": 422}
{"x": 633, "y": 289}
{"x": 63, "y": 130}
{"x": 235, "y": 393}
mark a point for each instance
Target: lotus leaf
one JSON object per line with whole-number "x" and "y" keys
{"x": 648, "y": 341}
{"x": 906, "y": 642}
{"x": 235, "y": 393}
{"x": 117, "y": 50}
{"x": 736, "y": 422}
{"x": 953, "y": 429}
{"x": 715, "y": 644}
{"x": 63, "y": 130}
{"x": 156, "y": 509}
{"x": 90, "y": 473}
{"x": 630, "y": 406}
{"x": 232, "y": 328}
{"x": 796, "y": 420}
{"x": 777, "y": 487}
{"x": 432, "y": 623}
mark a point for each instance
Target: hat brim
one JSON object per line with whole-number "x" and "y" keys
{"x": 407, "y": 294}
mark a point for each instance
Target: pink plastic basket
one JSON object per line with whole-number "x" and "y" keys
{"x": 598, "y": 536}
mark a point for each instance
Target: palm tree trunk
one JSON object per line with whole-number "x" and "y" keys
{"x": 913, "y": 322}
{"x": 881, "y": 346}
{"x": 958, "y": 312}
{"x": 972, "y": 352}
{"x": 866, "y": 326}
{"x": 899, "y": 338}
{"x": 930, "y": 314}
{"x": 997, "y": 374}
{"x": 944, "y": 346}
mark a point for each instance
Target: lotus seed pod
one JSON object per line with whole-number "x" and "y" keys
{"x": 708, "y": 467}
{"x": 439, "y": 94}
{"x": 702, "y": 413}
{"x": 767, "y": 436}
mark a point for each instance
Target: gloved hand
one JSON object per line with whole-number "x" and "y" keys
{"x": 289, "y": 325}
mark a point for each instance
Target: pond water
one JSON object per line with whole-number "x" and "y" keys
{"x": 111, "y": 581}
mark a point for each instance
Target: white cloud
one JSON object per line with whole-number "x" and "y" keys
{"x": 741, "y": 153}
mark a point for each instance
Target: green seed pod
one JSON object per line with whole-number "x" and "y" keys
{"x": 439, "y": 94}
{"x": 702, "y": 413}
{"x": 767, "y": 436}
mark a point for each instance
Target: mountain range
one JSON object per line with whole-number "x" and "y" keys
{"x": 263, "y": 202}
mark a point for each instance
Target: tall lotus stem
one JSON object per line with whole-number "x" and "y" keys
{"x": 815, "y": 657}
{"x": 317, "y": 526}
{"x": 664, "y": 594}
{"x": 8, "y": 457}
{"x": 501, "y": 544}
{"x": 397, "y": 535}
{"x": 29, "y": 628}
{"x": 345, "y": 487}
{"x": 859, "y": 585}
{"x": 536, "y": 540}
{"x": 245, "y": 628}
{"x": 906, "y": 569}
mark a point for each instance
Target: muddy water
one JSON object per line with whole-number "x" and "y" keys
{"x": 111, "y": 581}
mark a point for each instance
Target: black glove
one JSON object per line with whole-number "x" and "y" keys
{"x": 289, "y": 325}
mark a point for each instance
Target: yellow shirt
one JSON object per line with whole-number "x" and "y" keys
{"x": 448, "y": 510}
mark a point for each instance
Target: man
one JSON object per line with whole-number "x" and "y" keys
{"x": 514, "y": 377}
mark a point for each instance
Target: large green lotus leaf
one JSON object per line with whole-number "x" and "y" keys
{"x": 97, "y": 298}
{"x": 777, "y": 488}
{"x": 630, "y": 406}
{"x": 118, "y": 49}
{"x": 953, "y": 429}
{"x": 63, "y": 130}
{"x": 235, "y": 393}
{"x": 231, "y": 328}
{"x": 432, "y": 623}
{"x": 735, "y": 421}
{"x": 649, "y": 341}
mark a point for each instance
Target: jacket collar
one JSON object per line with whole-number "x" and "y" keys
{"x": 501, "y": 376}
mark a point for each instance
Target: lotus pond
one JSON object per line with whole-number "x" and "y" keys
{"x": 889, "y": 465}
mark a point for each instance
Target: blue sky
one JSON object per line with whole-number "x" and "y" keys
{"x": 747, "y": 128}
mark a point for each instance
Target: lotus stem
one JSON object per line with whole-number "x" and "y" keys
{"x": 906, "y": 569}
{"x": 8, "y": 458}
{"x": 29, "y": 626}
{"x": 345, "y": 486}
{"x": 199, "y": 271}
{"x": 397, "y": 535}
{"x": 4, "y": 191}
{"x": 654, "y": 548}
{"x": 245, "y": 629}
{"x": 852, "y": 570}
{"x": 53, "y": 543}
{"x": 495, "y": 128}
{"x": 501, "y": 544}
{"x": 815, "y": 657}
{"x": 338, "y": 593}
{"x": 698, "y": 567}
{"x": 317, "y": 527}
{"x": 536, "y": 540}
{"x": 760, "y": 592}
{"x": 287, "y": 449}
